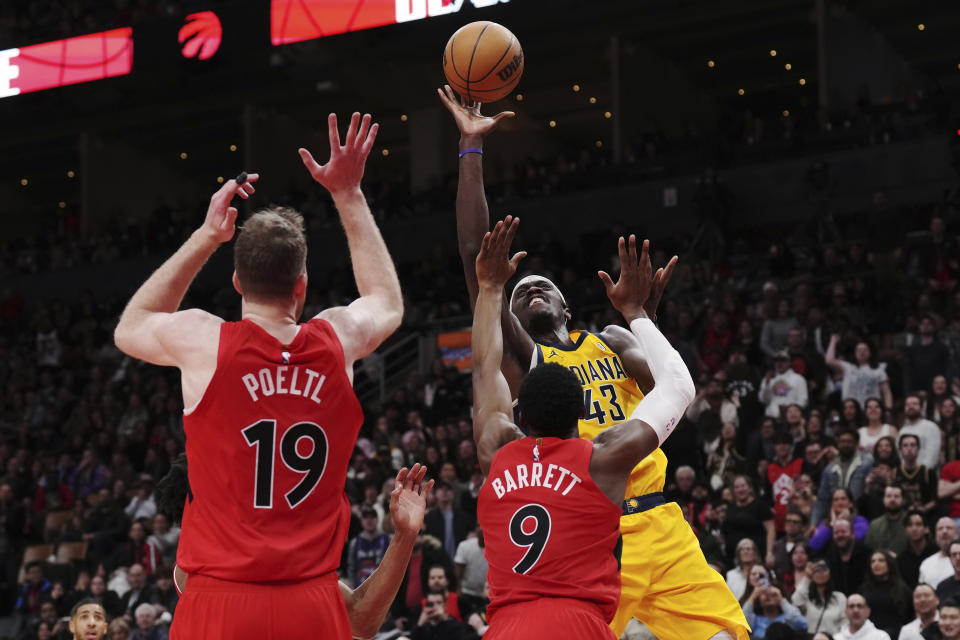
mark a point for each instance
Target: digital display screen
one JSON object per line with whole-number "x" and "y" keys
{"x": 298, "y": 20}
{"x": 62, "y": 62}
{"x": 455, "y": 349}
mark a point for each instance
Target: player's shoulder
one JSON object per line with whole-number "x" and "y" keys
{"x": 617, "y": 338}
{"x": 192, "y": 323}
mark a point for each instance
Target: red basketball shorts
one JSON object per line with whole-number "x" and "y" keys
{"x": 212, "y": 609}
{"x": 549, "y": 619}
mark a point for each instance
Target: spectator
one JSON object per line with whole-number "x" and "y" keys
{"x": 435, "y": 623}
{"x": 725, "y": 462}
{"x": 885, "y": 452}
{"x": 89, "y": 476}
{"x": 143, "y": 504}
{"x": 794, "y": 526}
{"x": 470, "y": 565}
{"x": 118, "y": 630}
{"x": 949, "y": 423}
{"x": 439, "y": 580}
{"x": 775, "y": 331}
{"x": 841, "y": 508}
{"x": 886, "y": 594}
{"x": 163, "y": 594}
{"x": 876, "y": 428}
{"x": 927, "y": 432}
{"x": 767, "y": 606}
{"x": 848, "y": 471}
{"x": 887, "y": 531}
{"x": 861, "y": 380}
{"x": 950, "y": 587}
{"x": 780, "y": 474}
{"x": 711, "y": 399}
{"x": 799, "y": 559}
{"x": 747, "y": 517}
{"x": 782, "y": 386}
{"x": 139, "y": 592}
{"x": 445, "y": 523}
{"x": 107, "y": 598}
{"x": 146, "y": 616}
{"x": 52, "y": 493}
{"x": 165, "y": 538}
{"x": 948, "y": 488}
{"x": 917, "y": 481}
{"x": 848, "y": 558}
{"x": 745, "y": 557}
{"x": 939, "y": 391}
{"x": 918, "y": 548}
{"x": 815, "y": 596}
{"x": 137, "y": 549}
{"x": 758, "y": 579}
{"x": 34, "y": 590}
{"x": 925, "y": 603}
{"x": 367, "y": 549}
{"x": 926, "y": 358}
{"x": 858, "y": 625}
{"x": 947, "y": 626}
{"x": 937, "y": 568}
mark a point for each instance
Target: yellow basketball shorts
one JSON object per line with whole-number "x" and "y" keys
{"x": 667, "y": 584}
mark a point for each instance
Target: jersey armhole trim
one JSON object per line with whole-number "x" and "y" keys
{"x": 216, "y": 369}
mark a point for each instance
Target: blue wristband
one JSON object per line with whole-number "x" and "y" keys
{"x": 471, "y": 150}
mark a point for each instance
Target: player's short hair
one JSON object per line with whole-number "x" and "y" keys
{"x": 550, "y": 400}
{"x": 270, "y": 253}
{"x": 84, "y": 602}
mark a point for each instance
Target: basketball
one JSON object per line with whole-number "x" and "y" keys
{"x": 483, "y": 61}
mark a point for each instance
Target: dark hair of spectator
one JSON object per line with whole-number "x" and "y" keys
{"x": 813, "y": 593}
{"x": 858, "y": 418}
{"x": 893, "y": 571}
{"x": 893, "y": 460}
{"x": 904, "y": 436}
{"x": 551, "y": 401}
{"x": 953, "y": 603}
{"x": 848, "y": 432}
{"x": 782, "y": 437}
{"x": 32, "y": 564}
{"x": 913, "y": 512}
{"x": 270, "y": 253}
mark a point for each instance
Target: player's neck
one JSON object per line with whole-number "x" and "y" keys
{"x": 277, "y": 319}
{"x": 557, "y": 335}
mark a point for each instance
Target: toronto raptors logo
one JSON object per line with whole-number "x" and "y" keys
{"x": 201, "y": 35}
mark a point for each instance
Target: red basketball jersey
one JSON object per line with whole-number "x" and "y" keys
{"x": 548, "y": 529}
{"x": 267, "y": 450}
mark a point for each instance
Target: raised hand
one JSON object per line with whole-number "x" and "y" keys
{"x": 467, "y": 114}
{"x": 221, "y": 219}
{"x": 494, "y": 264}
{"x": 657, "y": 287}
{"x": 408, "y": 500}
{"x": 632, "y": 289}
{"x": 344, "y": 170}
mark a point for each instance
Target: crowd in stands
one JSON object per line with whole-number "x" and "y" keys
{"x": 819, "y": 464}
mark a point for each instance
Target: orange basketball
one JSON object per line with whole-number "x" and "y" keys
{"x": 483, "y": 61}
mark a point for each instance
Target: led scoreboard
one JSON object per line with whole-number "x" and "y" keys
{"x": 108, "y": 54}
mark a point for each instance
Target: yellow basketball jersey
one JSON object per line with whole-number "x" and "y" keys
{"x": 610, "y": 396}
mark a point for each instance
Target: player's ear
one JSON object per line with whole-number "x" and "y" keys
{"x": 73, "y": 628}
{"x": 236, "y": 284}
{"x": 567, "y": 316}
{"x": 300, "y": 286}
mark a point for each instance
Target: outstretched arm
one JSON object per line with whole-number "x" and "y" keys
{"x": 473, "y": 221}
{"x": 623, "y": 295}
{"x": 368, "y": 604}
{"x": 492, "y": 409}
{"x": 370, "y": 319}
{"x": 150, "y": 327}
{"x": 618, "y": 449}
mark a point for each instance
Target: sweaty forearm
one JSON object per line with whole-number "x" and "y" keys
{"x": 373, "y": 268}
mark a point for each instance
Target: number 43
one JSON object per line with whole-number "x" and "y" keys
{"x": 263, "y": 436}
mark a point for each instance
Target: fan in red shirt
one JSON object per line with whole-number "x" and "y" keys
{"x": 551, "y": 505}
{"x": 271, "y": 417}
{"x": 780, "y": 475}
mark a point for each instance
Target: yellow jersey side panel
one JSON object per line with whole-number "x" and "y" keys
{"x": 610, "y": 396}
